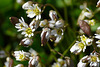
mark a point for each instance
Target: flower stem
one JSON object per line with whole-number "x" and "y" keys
{"x": 68, "y": 48}
{"x": 51, "y": 51}
{"x": 65, "y": 12}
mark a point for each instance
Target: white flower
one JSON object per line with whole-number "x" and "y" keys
{"x": 28, "y": 32}
{"x": 33, "y": 52}
{"x": 59, "y": 23}
{"x": 81, "y": 63}
{"x": 34, "y": 60}
{"x": 22, "y": 25}
{"x": 21, "y": 55}
{"x": 47, "y": 30}
{"x": 83, "y": 38}
{"x": 2, "y": 54}
{"x": 52, "y": 23}
{"x": 60, "y": 63}
{"x": 58, "y": 33}
{"x": 27, "y": 5}
{"x": 98, "y": 4}
{"x": 94, "y": 59}
{"x": 98, "y": 30}
{"x": 20, "y": 1}
{"x": 88, "y": 14}
{"x": 32, "y": 10}
{"x": 78, "y": 47}
{"x": 53, "y": 15}
{"x": 19, "y": 65}
{"x": 56, "y": 24}
{"x": 98, "y": 42}
{"x": 92, "y": 22}
{"x": 43, "y": 23}
{"x": 26, "y": 42}
{"x": 97, "y": 36}
{"x": 56, "y": 65}
{"x": 89, "y": 42}
{"x": 7, "y": 62}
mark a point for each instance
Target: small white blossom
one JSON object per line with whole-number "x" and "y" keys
{"x": 7, "y": 62}
{"x": 81, "y": 63}
{"x": 56, "y": 65}
{"x": 32, "y": 10}
{"x": 88, "y": 14}
{"x": 98, "y": 43}
{"x": 53, "y": 15}
{"x": 52, "y": 23}
{"x": 47, "y": 34}
{"x": 98, "y": 3}
{"x": 26, "y": 42}
{"x": 83, "y": 38}
{"x": 20, "y": 1}
{"x": 19, "y": 65}
{"x": 21, "y": 55}
{"x": 98, "y": 30}
{"x": 58, "y": 33}
{"x": 33, "y": 52}
{"x": 89, "y": 42}
{"x": 78, "y": 47}
{"x": 28, "y": 32}
{"x": 92, "y": 22}
{"x": 43, "y": 23}
{"x": 59, "y": 23}
{"x": 22, "y": 25}
{"x": 97, "y": 36}
{"x": 94, "y": 59}
{"x": 34, "y": 60}
{"x": 60, "y": 63}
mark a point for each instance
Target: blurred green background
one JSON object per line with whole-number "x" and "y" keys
{"x": 10, "y": 38}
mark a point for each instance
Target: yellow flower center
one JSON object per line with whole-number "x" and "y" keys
{"x": 98, "y": 40}
{"x": 29, "y": 31}
{"x": 91, "y": 22}
{"x": 81, "y": 45}
{"x": 21, "y": 25}
{"x": 36, "y": 11}
{"x": 83, "y": 38}
{"x": 21, "y": 56}
{"x": 57, "y": 65}
{"x": 93, "y": 58}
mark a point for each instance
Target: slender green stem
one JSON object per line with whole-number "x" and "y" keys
{"x": 54, "y": 9}
{"x": 65, "y": 12}
{"x": 51, "y": 51}
{"x": 68, "y": 48}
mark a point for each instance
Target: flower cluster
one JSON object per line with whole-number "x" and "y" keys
{"x": 32, "y": 56}
{"x": 52, "y": 30}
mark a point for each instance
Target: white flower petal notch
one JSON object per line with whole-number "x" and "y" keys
{"x": 21, "y": 55}
{"x": 32, "y": 10}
